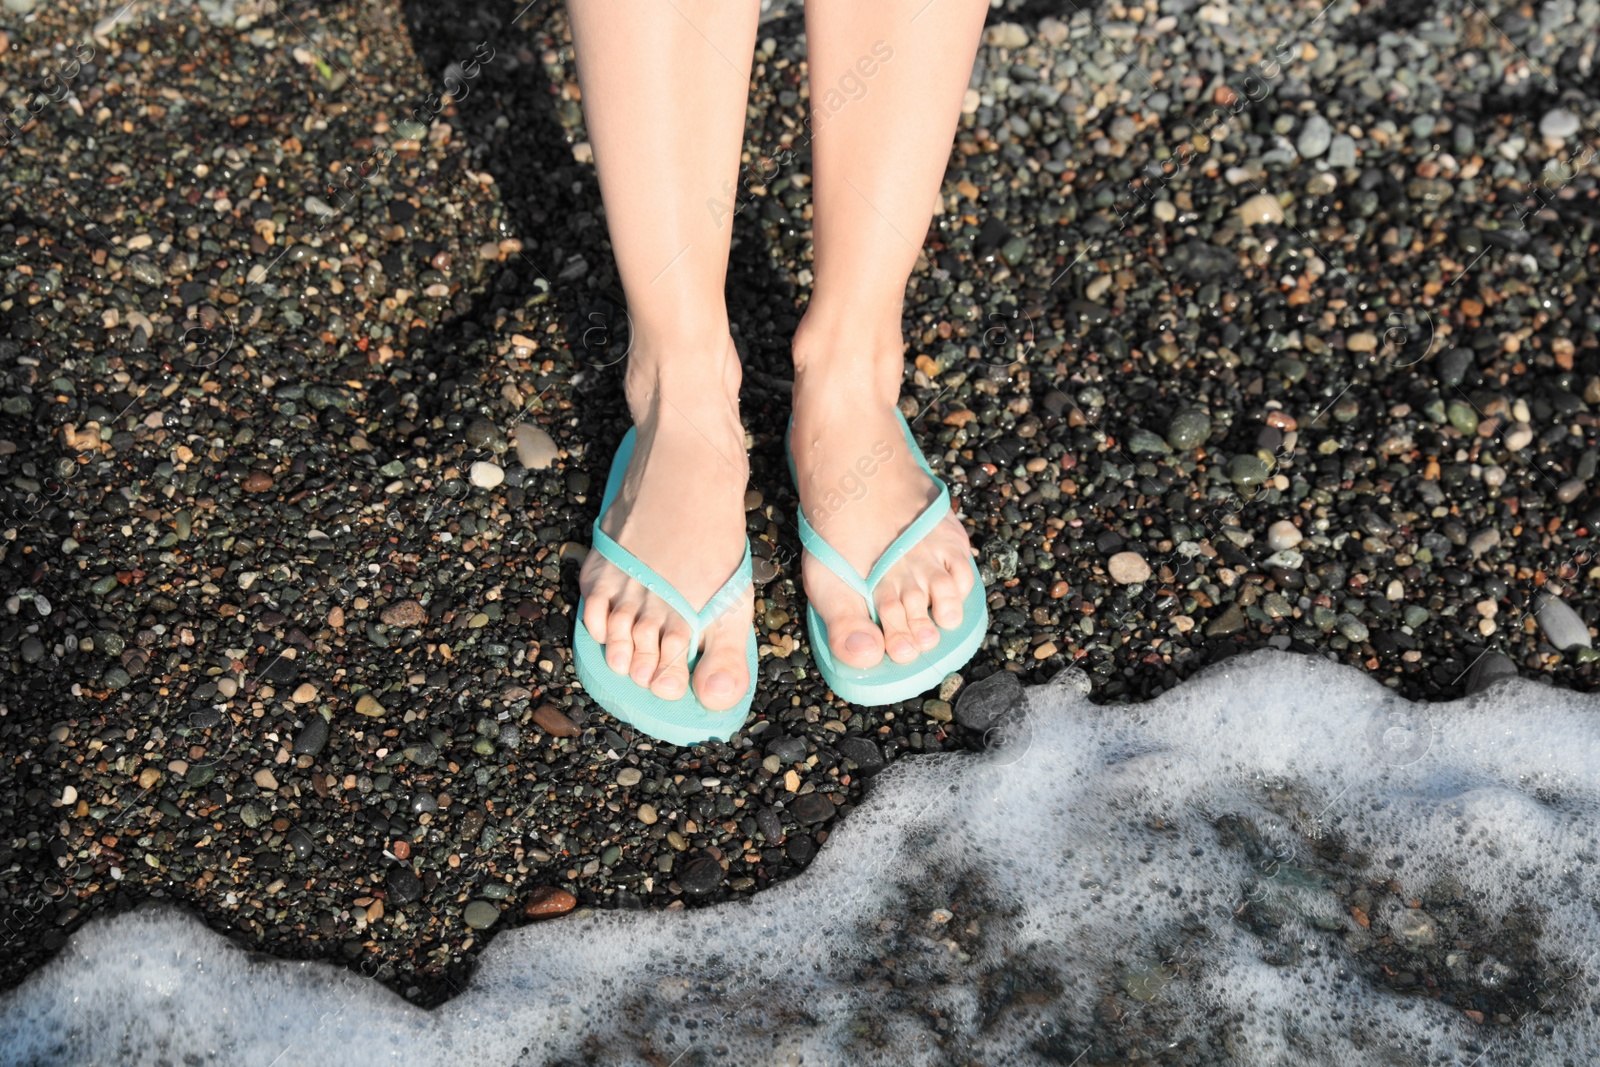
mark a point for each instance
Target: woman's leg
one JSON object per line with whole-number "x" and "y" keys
{"x": 665, "y": 85}
{"x": 887, "y": 79}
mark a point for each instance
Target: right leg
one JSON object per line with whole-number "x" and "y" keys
{"x": 665, "y": 85}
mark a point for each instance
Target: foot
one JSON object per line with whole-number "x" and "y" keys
{"x": 681, "y": 511}
{"x": 860, "y": 487}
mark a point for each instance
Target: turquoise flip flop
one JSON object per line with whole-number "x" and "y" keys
{"x": 684, "y": 721}
{"x": 889, "y": 682}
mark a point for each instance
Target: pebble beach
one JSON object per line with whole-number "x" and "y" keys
{"x": 1241, "y": 326}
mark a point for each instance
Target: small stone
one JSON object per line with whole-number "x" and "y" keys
{"x": 1248, "y": 471}
{"x": 1519, "y": 435}
{"x": 368, "y": 705}
{"x": 403, "y": 885}
{"x": 1314, "y": 137}
{"x": 984, "y": 702}
{"x": 1006, "y": 35}
{"x": 1189, "y": 429}
{"x": 629, "y": 777}
{"x": 1558, "y": 124}
{"x": 550, "y": 719}
{"x": 304, "y": 693}
{"x": 863, "y": 753}
{"x": 1489, "y": 668}
{"x": 32, "y": 649}
{"x": 811, "y": 808}
{"x": 1414, "y": 929}
{"x": 1231, "y": 621}
{"x": 1483, "y": 541}
{"x": 937, "y": 710}
{"x": 548, "y": 901}
{"x": 1562, "y": 626}
{"x": 400, "y": 849}
{"x": 302, "y": 844}
{"x": 536, "y": 450}
{"x": 1283, "y": 534}
{"x": 647, "y": 814}
{"x": 480, "y": 914}
{"x": 259, "y": 482}
{"x": 486, "y": 475}
{"x": 404, "y": 613}
{"x": 266, "y": 780}
{"x": 149, "y": 777}
{"x": 1128, "y": 568}
{"x": 1342, "y": 151}
{"x": 312, "y": 737}
{"x": 700, "y": 875}
{"x": 1259, "y": 209}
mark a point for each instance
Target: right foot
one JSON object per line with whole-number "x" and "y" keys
{"x": 680, "y": 511}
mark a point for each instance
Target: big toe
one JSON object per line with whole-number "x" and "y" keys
{"x": 722, "y": 675}
{"x": 852, "y": 636}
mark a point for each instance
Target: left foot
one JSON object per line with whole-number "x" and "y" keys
{"x": 860, "y": 487}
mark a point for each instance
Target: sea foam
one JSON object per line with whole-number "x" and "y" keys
{"x": 1277, "y": 862}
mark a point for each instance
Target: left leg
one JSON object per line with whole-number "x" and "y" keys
{"x": 886, "y": 85}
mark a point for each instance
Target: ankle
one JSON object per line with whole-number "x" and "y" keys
{"x": 693, "y": 372}
{"x": 851, "y": 357}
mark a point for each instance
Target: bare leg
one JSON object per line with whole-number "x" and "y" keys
{"x": 886, "y": 85}
{"x": 665, "y": 84}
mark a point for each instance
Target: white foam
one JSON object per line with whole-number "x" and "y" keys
{"x": 1086, "y": 878}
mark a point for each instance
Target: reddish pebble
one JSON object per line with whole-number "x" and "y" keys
{"x": 547, "y": 901}
{"x": 259, "y": 482}
{"x": 1059, "y": 590}
{"x": 405, "y": 613}
{"x": 551, "y": 721}
{"x": 401, "y": 849}
{"x": 1281, "y": 420}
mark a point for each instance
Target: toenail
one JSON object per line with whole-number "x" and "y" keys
{"x": 929, "y": 634}
{"x": 859, "y": 643}
{"x": 720, "y": 684}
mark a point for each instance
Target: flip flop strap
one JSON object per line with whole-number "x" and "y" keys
{"x": 720, "y": 601}
{"x": 831, "y": 558}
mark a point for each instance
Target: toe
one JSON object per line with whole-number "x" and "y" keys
{"x": 596, "y": 609}
{"x": 647, "y": 642}
{"x": 921, "y": 627}
{"x": 619, "y": 632}
{"x": 947, "y": 599}
{"x": 852, "y": 637}
{"x": 721, "y": 677}
{"x": 672, "y": 674}
{"x": 897, "y": 638}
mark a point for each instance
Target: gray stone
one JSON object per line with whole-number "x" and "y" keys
{"x": 1314, "y": 137}
{"x": 1342, "y": 151}
{"x": 1558, "y": 124}
{"x": 1561, "y": 625}
{"x": 480, "y": 914}
{"x": 312, "y": 736}
{"x": 983, "y": 703}
{"x": 1489, "y": 668}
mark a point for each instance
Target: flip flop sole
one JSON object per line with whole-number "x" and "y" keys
{"x": 684, "y": 721}
{"x": 889, "y": 682}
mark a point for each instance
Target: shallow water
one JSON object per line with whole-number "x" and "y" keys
{"x": 1278, "y": 862}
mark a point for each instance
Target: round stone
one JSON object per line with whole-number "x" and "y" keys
{"x": 1283, "y": 534}
{"x": 1314, "y": 138}
{"x": 480, "y": 914}
{"x": 1128, "y": 568}
{"x": 1188, "y": 429}
{"x": 486, "y": 475}
{"x": 1558, "y": 124}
